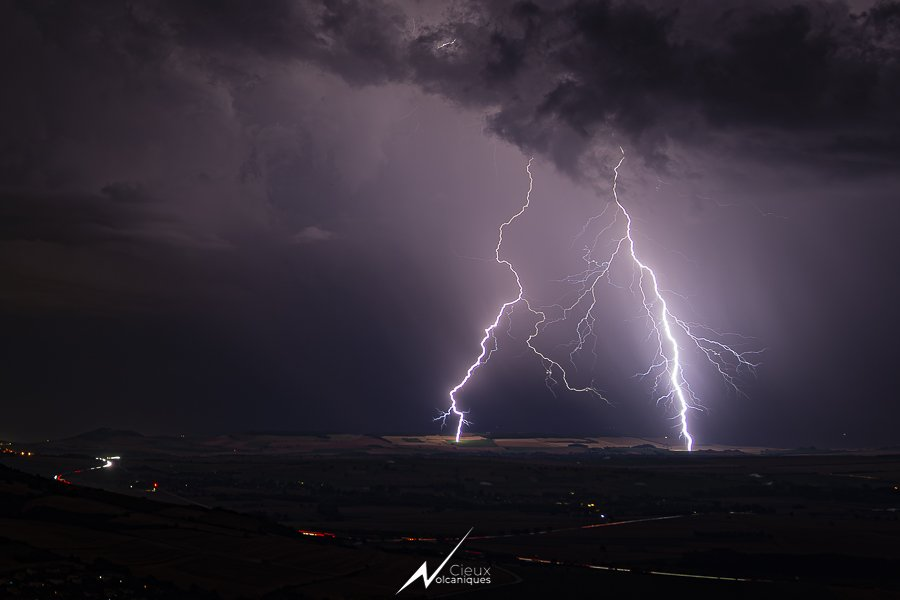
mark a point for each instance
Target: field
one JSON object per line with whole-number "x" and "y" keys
{"x": 349, "y": 516}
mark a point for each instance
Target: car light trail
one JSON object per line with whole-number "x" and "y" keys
{"x": 108, "y": 461}
{"x": 560, "y": 563}
{"x": 318, "y": 534}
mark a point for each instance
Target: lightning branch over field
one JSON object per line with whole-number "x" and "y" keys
{"x": 667, "y": 329}
{"x": 489, "y": 341}
{"x": 672, "y": 334}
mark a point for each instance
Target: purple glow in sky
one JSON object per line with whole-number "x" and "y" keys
{"x": 281, "y": 215}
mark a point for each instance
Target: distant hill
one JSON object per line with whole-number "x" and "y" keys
{"x": 104, "y": 434}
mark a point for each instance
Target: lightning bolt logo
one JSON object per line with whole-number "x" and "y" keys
{"x": 423, "y": 570}
{"x": 669, "y": 332}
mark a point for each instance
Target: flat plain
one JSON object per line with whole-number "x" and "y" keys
{"x": 353, "y": 516}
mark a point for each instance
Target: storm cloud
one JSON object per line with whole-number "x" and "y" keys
{"x": 296, "y": 202}
{"x": 817, "y": 80}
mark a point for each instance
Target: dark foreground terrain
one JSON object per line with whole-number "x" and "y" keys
{"x": 281, "y": 516}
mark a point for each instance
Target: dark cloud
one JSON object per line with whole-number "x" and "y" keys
{"x": 555, "y": 78}
{"x": 362, "y": 41}
{"x": 559, "y": 78}
{"x": 645, "y": 74}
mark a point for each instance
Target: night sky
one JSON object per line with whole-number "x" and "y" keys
{"x": 245, "y": 216}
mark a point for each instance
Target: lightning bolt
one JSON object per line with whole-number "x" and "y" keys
{"x": 422, "y": 571}
{"x": 666, "y": 327}
{"x": 669, "y": 353}
{"x": 489, "y": 341}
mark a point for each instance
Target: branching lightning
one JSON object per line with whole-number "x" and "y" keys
{"x": 671, "y": 334}
{"x": 489, "y": 341}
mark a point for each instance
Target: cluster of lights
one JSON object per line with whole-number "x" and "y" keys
{"x": 16, "y": 452}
